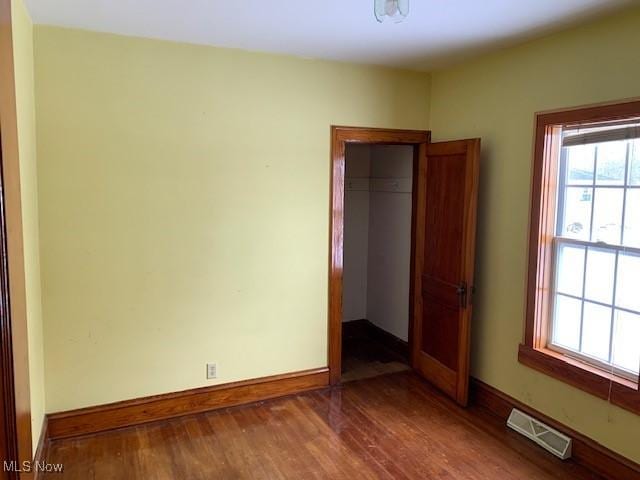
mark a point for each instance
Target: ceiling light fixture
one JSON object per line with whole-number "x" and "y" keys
{"x": 394, "y": 10}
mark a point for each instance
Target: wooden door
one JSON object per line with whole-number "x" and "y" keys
{"x": 445, "y": 227}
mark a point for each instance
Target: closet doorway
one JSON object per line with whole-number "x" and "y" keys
{"x": 377, "y": 259}
{"x": 403, "y": 219}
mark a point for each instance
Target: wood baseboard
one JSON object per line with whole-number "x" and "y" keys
{"x": 585, "y": 451}
{"x": 42, "y": 450}
{"x": 127, "y": 413}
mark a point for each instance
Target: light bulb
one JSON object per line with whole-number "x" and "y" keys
{"x": 391, "y": 7}
{"x": 395, "y": 10}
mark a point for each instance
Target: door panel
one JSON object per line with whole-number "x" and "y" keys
{"x": 444, "y": 218}
{"x": 445, "y": 227}
{"x": 442, "y": 332}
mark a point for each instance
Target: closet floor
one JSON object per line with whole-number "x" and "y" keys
{"x": 366, "y": 357}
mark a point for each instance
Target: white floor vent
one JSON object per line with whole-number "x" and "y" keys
{"x": 545, "y": 436}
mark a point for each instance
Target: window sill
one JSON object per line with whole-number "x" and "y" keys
{"x": 618, "y": 390}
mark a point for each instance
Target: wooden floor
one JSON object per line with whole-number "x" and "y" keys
{"x": 389, "y": 427}
{"x": 365, "y": 357}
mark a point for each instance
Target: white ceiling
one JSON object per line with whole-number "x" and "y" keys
{"x": 436, "y": 33}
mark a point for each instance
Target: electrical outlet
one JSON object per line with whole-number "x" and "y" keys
{"x": 212, "y": 370}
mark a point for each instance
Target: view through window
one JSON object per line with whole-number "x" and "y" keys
{"x": 596, "y": 289}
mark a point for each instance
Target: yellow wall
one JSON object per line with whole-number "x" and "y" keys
{"x": 184, "y": 195}
{"x": 184, "y": 191}
{"x": 25, "y": 106}
{"x": 495, "y": 98}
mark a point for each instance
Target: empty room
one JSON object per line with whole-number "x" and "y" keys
{"x": 377, "y": 239}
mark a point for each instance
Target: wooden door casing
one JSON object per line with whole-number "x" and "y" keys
{"x": 340, "y": 137}
{"x": 14, "y": 346}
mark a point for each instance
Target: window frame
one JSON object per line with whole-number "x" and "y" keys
{"x": 591, "y": 243}
{"x": 535, "y": 351}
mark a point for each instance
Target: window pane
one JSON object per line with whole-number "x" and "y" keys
{"x": 626, "y": 350}
{"x": 570, "y": 269}
{"x": 632, "y": 218}
{"x": 634, "y": 166}
{"x": 628, "y": 283}
{"x": 607, "y": 215}
{"x": 596, "y": 330}
{"x": 612, "y": 157}
{"x": 566, "y": 325}
{"x": 577, "y": 213}
{"x": 600, "y": 273}
{"x": 580, "y": 163}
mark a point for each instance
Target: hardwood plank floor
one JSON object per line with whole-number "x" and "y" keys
{"x": 365, "y": 356}
{"x": 390, "y": 427}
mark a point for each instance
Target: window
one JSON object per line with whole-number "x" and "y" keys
{"x": 583, "y": 296}
{"x": 596, "y": 308}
